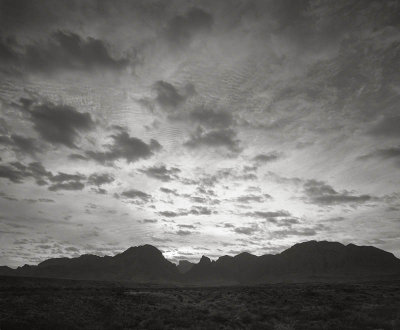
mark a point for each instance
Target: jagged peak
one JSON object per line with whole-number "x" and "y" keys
{"x": 205, "y": 260}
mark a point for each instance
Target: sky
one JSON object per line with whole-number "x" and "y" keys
{"x": 199, "y": 127}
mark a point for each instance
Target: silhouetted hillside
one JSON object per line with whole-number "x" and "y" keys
{"x": 304, "y": 261}
{"x": 184, "y": 266}
{"x": 309, "y": 261}
{"x": 142, "y": 264}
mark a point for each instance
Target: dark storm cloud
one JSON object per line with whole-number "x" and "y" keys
{"x": 269, "y": 157}
{"x": 20, "y": 144}
{"x": 70, "y": 185}
{"x": 214, "y": 138}
{"x": 100, "y": 179}
{"x": 136, "y": 195}
{"x": 57, "y": 123}
{"x": 161, "y": 172}
{"x": 321, "y": 193}
{"x": 182, "y": 28}
{"x": 384, "y": 154}
{"x": 62, "y": 51}
{"x": 125, "y": 147}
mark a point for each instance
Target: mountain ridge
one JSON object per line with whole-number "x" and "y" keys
{"x": 323, "y": 260}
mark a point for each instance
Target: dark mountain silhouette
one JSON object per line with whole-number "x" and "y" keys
{"x": 184, "y": 266}
{"x": 302, "y": 262}
{"x": 309, "y": 261}
{"x": 142, "y": 264}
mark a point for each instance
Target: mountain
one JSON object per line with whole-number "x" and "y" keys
{"x": 309, "y": 261}
{"x": 184, "y": 266}
{"x": 302, "y": 262}
{"x": 141, "y": 264}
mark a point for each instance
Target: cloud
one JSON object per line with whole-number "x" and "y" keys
{"x": 183, "y": 232}
{"x": 245, "y": 199}
{"x": 77, "y": 157}
{"x": 62, "y": 177}
{"x": 200, "y": 210}
{"x": 187, "y": 226}
{"x": 205, "y": 117}
{"x": 250, "y": 230}
{"x": 171, "y": 214}
{"x": 136, "y": 195}
{"x": 125, "y": 147}
{"x": 321, "y": 193}
{"x": 214, "y": 138}
{"x": 149, "y": 221}
{"x": 99, "y": 191}
{"x": 169, "y": 191}
{"x": 12, "y": 174}
{"x": 267, "y": 158}
{"x": 70, "y": 185}
{"x": 182, "y": 28}
{"x": 293, "y": 232}
{"x": 167, "y": 95}
{"x": 384, "y": 154}
{"x": 161, "y": 172}
{"x": 65, "y": 181}
{"x": 100, "y": 179}
{"x": 57, "y": 124}
{"x": 268, "y": 215}
{"x": 195, "y": 210}
{"x": 16, "y": 172}
{"x": 20, "y": 144}
{"x": 211, "y": 118}
{"x": 386, "y": 127}
{"x": 63, "y": 51}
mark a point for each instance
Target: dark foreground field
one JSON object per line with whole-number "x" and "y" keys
{"x": 62, "y": 304}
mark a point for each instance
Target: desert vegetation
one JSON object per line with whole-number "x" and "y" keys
{"x": 67, "y": 304}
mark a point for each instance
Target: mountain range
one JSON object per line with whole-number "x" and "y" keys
{"x": 308, "y": 261}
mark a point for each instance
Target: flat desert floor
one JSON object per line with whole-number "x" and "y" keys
{"x": 65, "y": 304}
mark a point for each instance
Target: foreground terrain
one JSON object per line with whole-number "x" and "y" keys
{"x": 27, "y": 303}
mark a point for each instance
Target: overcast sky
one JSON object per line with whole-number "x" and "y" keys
{"x": 200, "y": 127}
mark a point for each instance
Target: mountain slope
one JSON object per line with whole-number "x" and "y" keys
{"x": 309, "y": 261}
{"x": 141, "y": 263}
{"x": 304, "y": 261}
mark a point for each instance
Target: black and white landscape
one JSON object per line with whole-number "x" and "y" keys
{"x": 305, "y": 262}
{"x": 200, "y": 146}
